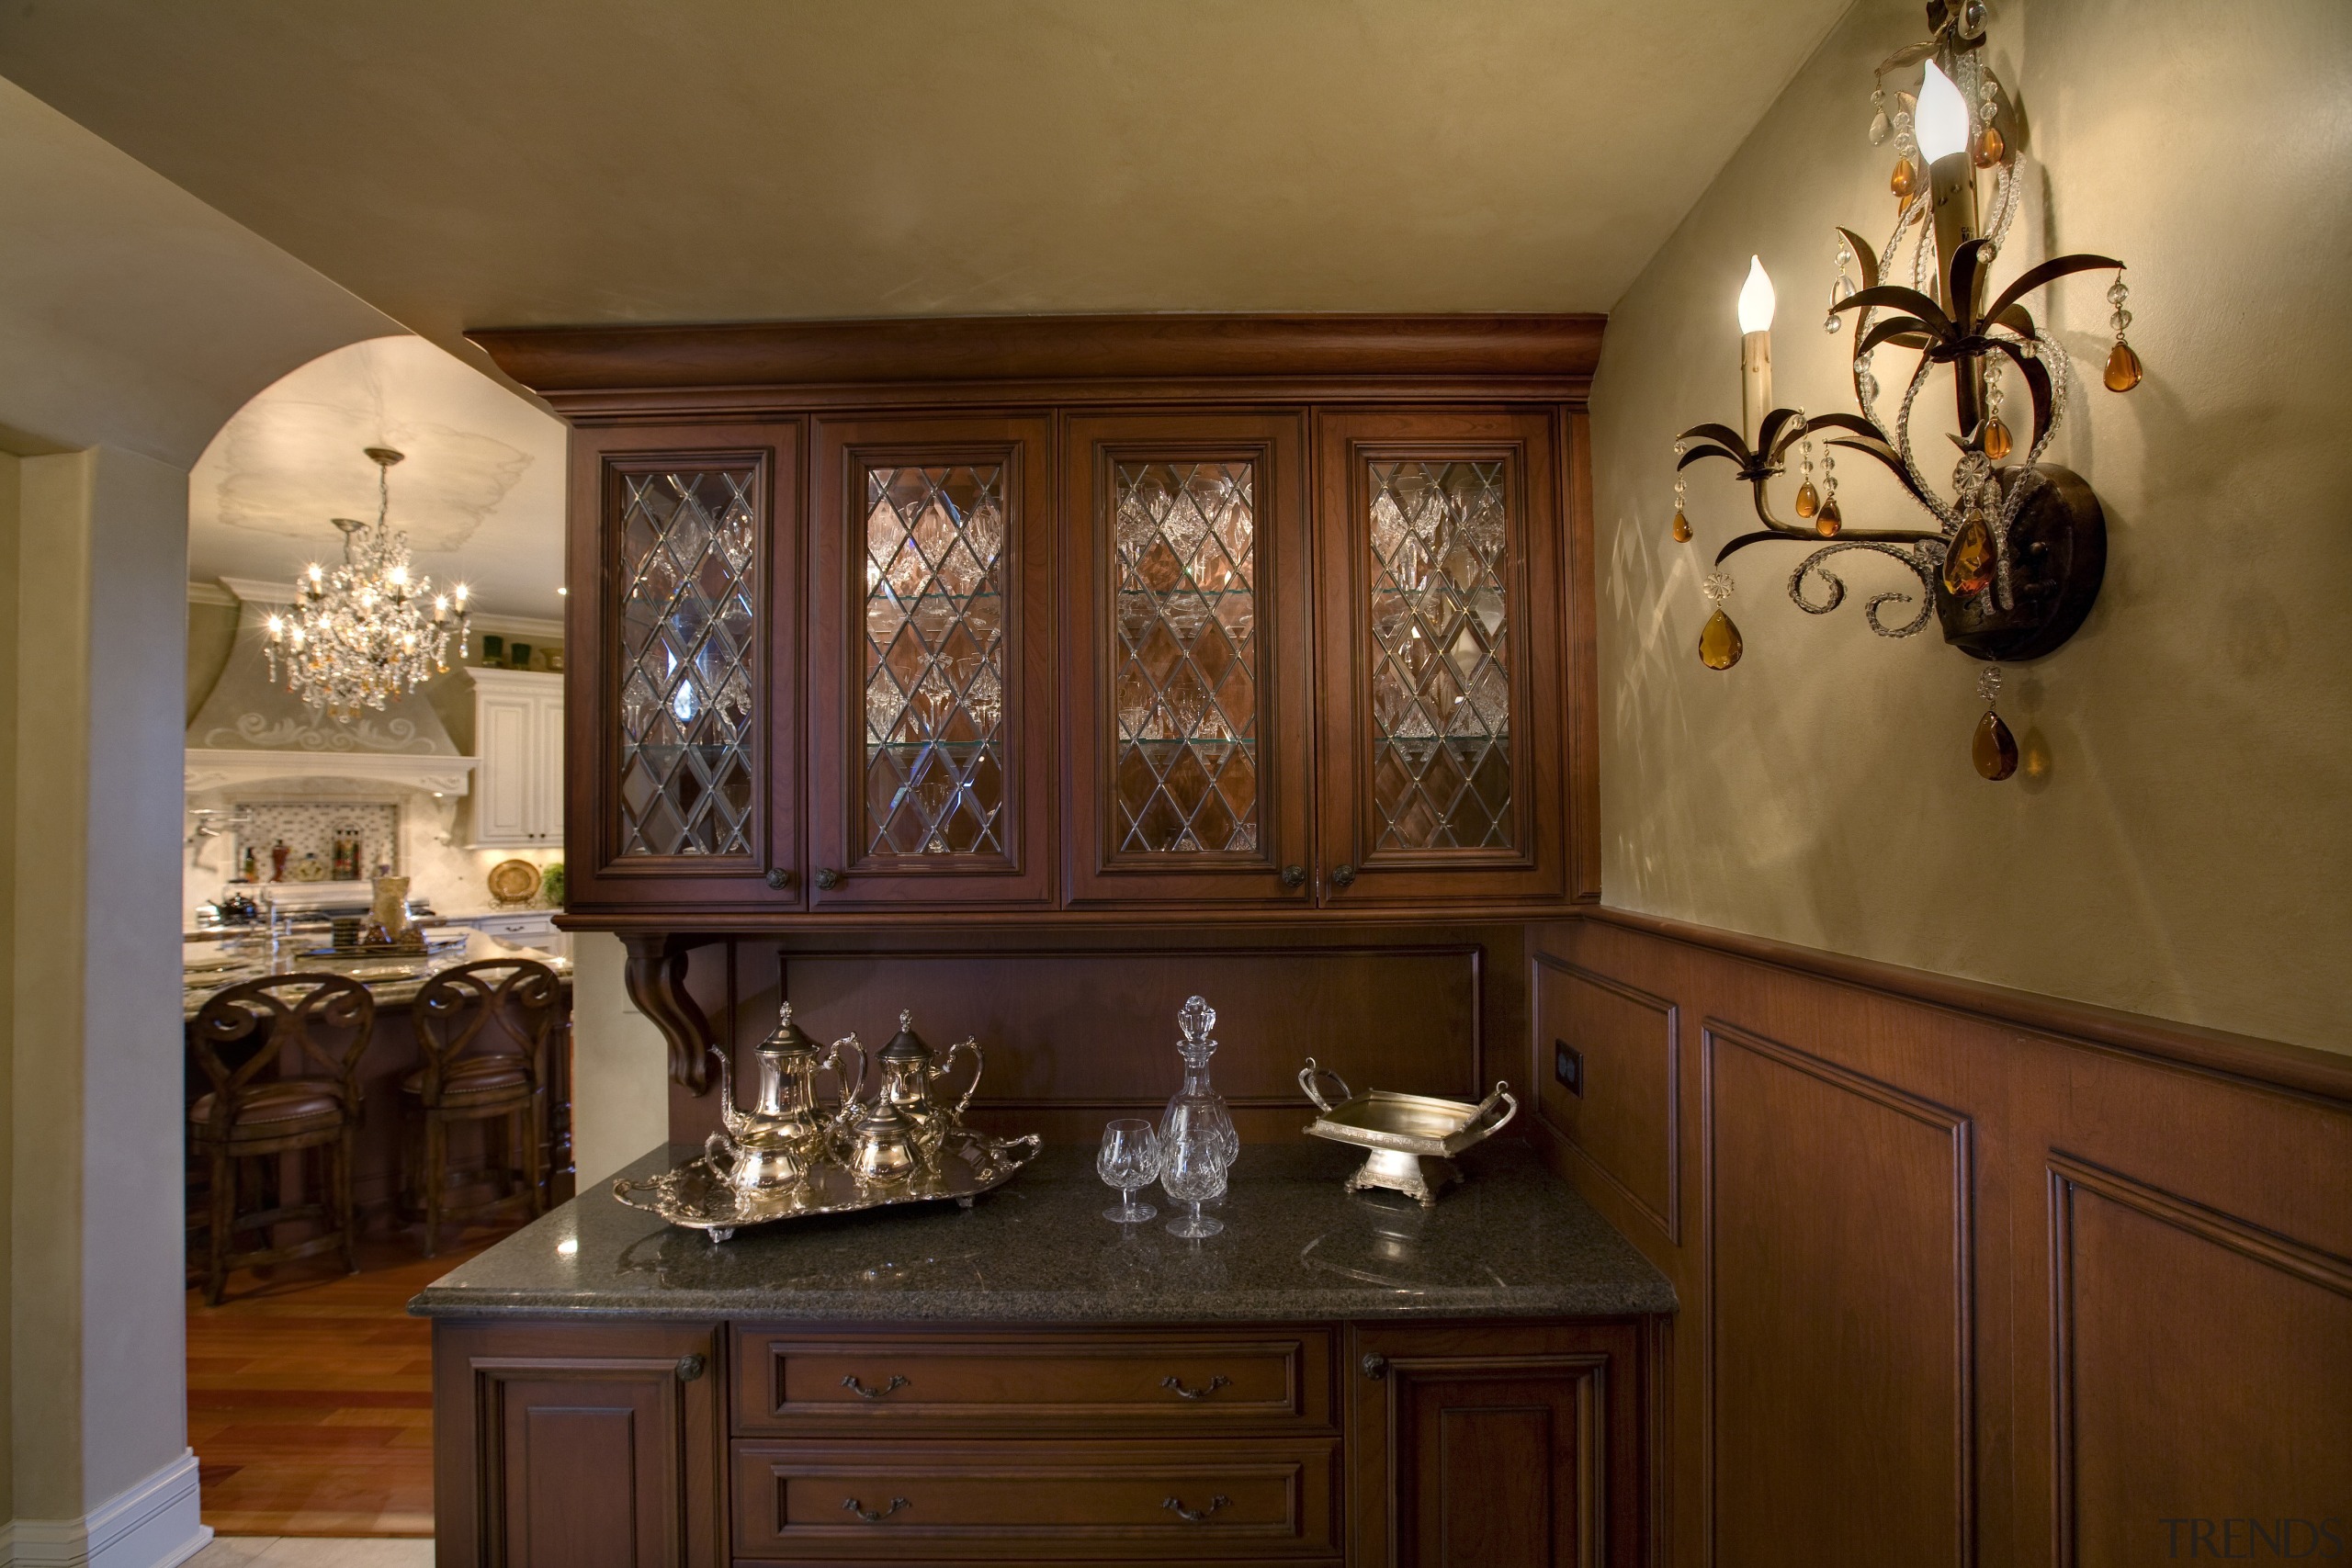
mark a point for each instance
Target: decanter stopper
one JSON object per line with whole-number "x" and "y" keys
{"x": 1195, "y": 1021}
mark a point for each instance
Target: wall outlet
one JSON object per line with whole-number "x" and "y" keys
{"x": 1568, "y": 1066}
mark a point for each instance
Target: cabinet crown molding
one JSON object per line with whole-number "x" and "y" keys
{"x": 556, "y": 361}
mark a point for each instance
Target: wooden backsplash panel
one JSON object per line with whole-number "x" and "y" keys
{"x": 1075, "y": 1037}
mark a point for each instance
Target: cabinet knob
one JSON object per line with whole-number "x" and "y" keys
{"x": 690, "y": 1367}
{"x": 779, "y": 878}
{"x": 1375, "y": 1365}
{"x": 827, "y": 879}
{"x": 1342, "y": 874}
{"x": 1293, "y": 876}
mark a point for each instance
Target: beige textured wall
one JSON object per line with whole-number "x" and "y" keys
{"x": 620, "y": 1069}
{"x": 10, "y": 478}
{"x": 2179, "y": 843}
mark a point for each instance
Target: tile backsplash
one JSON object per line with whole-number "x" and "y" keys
{"x": 309, "y": 827}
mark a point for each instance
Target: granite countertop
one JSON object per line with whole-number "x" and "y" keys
{"x": 392, "y": 978}
{"x": 1512, "y": 1241}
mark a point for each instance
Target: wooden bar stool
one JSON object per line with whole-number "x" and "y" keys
{"x": 475, "y": 1072}
{"x": 282, "y": 1054}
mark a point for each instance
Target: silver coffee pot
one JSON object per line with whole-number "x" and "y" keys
{"x": 774, "y": 1143}
{"x": 905, "y": 1074}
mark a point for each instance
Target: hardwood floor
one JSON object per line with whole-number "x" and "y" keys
{"x": 309, "y": 1395}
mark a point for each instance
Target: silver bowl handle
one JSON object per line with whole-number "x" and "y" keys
{"x": 1502, "y": 1096}
{"x": 1306, "y": 1077}
{"x": 720, "y": 1152}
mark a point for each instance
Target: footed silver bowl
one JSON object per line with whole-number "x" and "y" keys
{"x": 1412, "y": 1138}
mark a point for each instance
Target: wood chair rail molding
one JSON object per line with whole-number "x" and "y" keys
{"x": 578, "y": 370}
{"x": 2300, "y": 1068}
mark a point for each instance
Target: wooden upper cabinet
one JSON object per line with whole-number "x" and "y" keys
{"x": 684, "y": 626}
{"x": 1442, "y": 722}
{"x": 931, "y": 656}
{"x": 1187, "y": 663}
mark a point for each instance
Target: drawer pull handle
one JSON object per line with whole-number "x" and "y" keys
{"x": 1176, "y": 1385}
{"x": 873, "y": 1518}
{"x": 1195, "y": 1515}
{"x": 859, "y": 1389}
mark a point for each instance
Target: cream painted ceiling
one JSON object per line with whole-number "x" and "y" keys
{"x": 479, "y": 490}
{"x": 460, "y": 165}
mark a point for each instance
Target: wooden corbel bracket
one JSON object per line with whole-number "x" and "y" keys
{"x": 655, "y": 977}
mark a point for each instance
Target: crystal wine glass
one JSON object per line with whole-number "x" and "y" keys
{"x": 1129, "y": 1159}
{"x": 1193, "y": 1172}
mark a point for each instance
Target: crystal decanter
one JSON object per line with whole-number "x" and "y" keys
{"x": 1198, "y": 1116}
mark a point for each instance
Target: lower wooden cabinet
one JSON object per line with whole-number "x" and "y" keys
{"x": 1516, "y": 1446}
{"x": 577, "y": 1446}
{"x": 1506, "y": 1444}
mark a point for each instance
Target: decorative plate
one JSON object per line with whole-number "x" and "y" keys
{"x": 515, "y": 882}
{"x": 696, "y": 1196}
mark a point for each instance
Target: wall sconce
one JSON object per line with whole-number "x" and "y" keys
{"x": 2015, "y": 561}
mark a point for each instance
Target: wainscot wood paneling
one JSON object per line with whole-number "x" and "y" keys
{"x": 1622, "y": 1110}
{"x": 1839, "y": 1371}
{"x": 1968, "y": 1275}
{"x": 2172, "y": 1320}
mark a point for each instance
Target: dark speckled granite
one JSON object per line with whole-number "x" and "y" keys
{"x": 1513, "y": 1241}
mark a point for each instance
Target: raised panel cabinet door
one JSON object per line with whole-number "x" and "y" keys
{"x": 547, "y": 770}
{"x": 572, "y": 1446}
{"x": 683, "y": 679}
{"x": 1443, "y": 733}
{"x": 1189, "y": 659}
{"x": 503, "y": 792}
{"x": 931, "y": 659}
{"x": 1492, "y": 1447}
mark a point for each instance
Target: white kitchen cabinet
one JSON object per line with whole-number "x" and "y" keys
{"x": 518, "y": 734}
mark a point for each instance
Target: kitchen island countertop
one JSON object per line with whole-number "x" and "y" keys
{"x": 1512, "y": 1241}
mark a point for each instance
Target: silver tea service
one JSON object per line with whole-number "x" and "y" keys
{"x": 791, "y": 1155}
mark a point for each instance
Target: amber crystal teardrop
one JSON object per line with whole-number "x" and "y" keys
{"x": 2122, "y": 369}
{"x": 1719, "y": 644}
{"x": 1681, "y": 527}
{"x": 1905, "y": 180}
{"x": 1968, "y": 565}
{"x": 1808, "y": 499}
{"x": 1829, "y": 522}
{"x": 1996, "y": 440}
{"x": 1990, "y": 147}
{"x": 1994, "y": 750}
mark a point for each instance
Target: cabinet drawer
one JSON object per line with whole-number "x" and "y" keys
{"x": 517, "y": 925}
{"x": 788, "y": 1380}
{"x": 1029, "y": 1502}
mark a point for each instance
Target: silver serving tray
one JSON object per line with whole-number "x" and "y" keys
{"x": 699, "y": 1197}
{"x": 1403, "y": 1131}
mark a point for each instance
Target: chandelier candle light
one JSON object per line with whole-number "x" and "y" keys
{"x": 370, "y": 629}
{"x": 2019, "y": 549}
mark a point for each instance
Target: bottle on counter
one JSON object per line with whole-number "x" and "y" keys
{"x": 1198, "y": 1118}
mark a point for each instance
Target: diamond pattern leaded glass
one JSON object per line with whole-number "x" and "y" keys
{"x": 689, "y": 548}
{"x": 1441, "y": 679}
{"x": 1187, "y": 684}
{"x": 935, "y": 540}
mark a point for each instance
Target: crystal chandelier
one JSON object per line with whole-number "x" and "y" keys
{"x": 370, "y": 629}
{"x": 2015, "y": 553}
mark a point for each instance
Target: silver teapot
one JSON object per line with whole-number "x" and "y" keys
{"x": 905, "y": 1077}
{"x": 774, "y": 1143}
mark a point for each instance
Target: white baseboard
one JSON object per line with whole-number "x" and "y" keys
{"x": 155, "y": 1524}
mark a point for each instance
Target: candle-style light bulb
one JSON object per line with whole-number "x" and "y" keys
{"x": 1755, "y": 302}
{"x": 1756, "y": 298}
{"x": 1940, "y": 121}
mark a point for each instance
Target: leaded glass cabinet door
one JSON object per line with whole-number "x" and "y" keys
{"x": 931, "y": 660}
{"x": 1191, "y": 721}
{"x": 680, "y": 787}
{"x": 1442, "y": 716}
